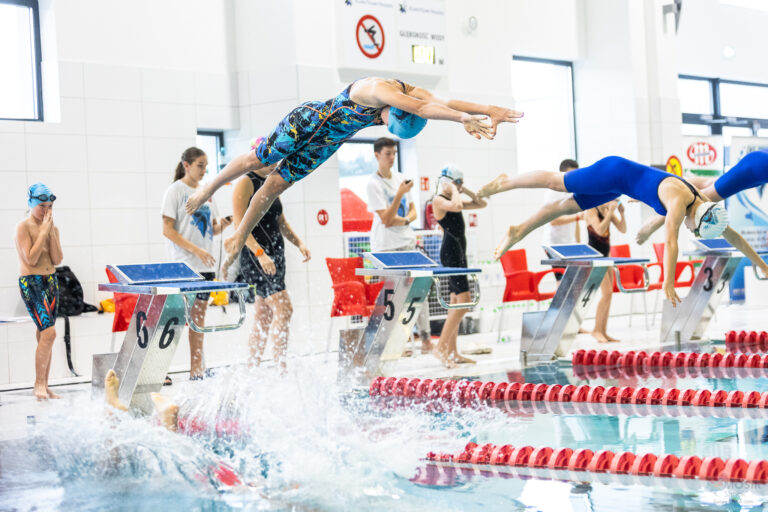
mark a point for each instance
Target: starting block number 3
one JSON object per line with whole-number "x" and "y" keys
{"x": 142, "y": 335}
{"x": 389, "y": 311}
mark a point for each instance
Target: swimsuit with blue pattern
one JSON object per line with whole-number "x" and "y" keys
{"x": 40, "y": 294}
{"x": 314, "y": 131}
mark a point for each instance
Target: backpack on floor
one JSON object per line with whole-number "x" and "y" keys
{"x": 71, "y": 294}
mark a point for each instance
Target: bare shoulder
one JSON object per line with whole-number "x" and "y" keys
{"x": 23, "y": 227}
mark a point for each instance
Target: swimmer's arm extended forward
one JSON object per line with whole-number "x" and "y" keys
{"x": 743, "y": 246}
{"x": 674, "y": 218}
{"x": 292, "y": 237}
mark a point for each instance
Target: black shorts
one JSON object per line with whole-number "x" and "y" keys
{"x": 264, "y": 285}
{"x": 454, "y": 257}
{"x": 208, "y": 276}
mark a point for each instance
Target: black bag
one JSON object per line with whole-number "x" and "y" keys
{"x": 71, "y": 294}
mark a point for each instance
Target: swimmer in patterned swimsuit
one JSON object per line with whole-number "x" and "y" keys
{"x": 607, "y": 179}
{"x": 312, "y": 132}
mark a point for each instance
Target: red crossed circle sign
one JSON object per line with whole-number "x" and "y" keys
{"x": 370, "y": 36}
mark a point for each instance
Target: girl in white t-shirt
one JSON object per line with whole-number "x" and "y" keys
{"x": 190, "y": 238}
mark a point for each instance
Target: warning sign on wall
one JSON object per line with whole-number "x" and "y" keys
{"x": 370, "y": 36}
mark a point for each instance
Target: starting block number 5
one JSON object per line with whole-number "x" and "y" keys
{"x": 389, "y": 311}
{"x": 142, "y": 335}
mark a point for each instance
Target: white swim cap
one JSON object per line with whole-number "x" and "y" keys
{"x": 452, "y": 172}
{"x": 710, "y": 219}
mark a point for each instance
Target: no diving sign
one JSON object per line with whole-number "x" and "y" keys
{"x": 370, "y": 36}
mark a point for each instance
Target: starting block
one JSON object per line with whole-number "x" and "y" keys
{"x": 408, "y": 277}
{"x": 166, "y": 295}
{"x": 692, "y": 316}
{"x": 549, "y": 334}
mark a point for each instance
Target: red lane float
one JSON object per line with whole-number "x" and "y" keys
{"x": 753, "y": 368}
{"x": 643, "y": 360}
{"x": 466, "y": 392}
{"x": 606, "y": 461}
{"x": 742, "y": 341}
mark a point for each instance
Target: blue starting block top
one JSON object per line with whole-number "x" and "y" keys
{"x": 411, "y": 263}
{"x": 162, "y": 279}
{"x": 582, "y": 254}
{"x": 714, "y": 244}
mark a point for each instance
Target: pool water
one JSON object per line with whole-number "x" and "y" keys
{"x": 305, "y": 443}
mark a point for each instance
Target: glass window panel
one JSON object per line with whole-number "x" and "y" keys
{"x": 744, "y": 100}
{"x": 210, "y": 144}
{"x": 695, "y": 96}
{"x": 356, "y": 164}
{"x": 544, "y": 91}
{"x": 696, "y": 129}
{"x": 762, "y": 132}
{"x": 18, "y": 86}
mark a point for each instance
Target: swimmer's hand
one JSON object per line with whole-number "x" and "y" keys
{"x": 197, "y": 199}
{"x": 671, "y": 293}
{"x": 267, "y": 265}
{"x": 233, "y": 245}
{"x": 476, "y": 126}
{"x": 205, "y": 257}
{"x": 305, "y": 252}
{"x": 503, "y": 115}
{"x": 642, "y": 236}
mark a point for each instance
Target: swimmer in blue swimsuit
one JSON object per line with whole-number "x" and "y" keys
{"x": 750, "y": 172}
{"x": 312, "y": 132}
{"x": 607, "y": 179}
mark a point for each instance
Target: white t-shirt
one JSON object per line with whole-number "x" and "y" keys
{"x": 196, "y": 228}
{"x": 563, "y": 233}
{"x": 381, "y": 193}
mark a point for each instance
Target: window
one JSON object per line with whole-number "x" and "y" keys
{"x": 742, "y": 100}
{"x": 357, "y": 163}
{"x": 695, "y": 95}
{"x": 543, "y": 89}
{"x": 213, "y": 145}
{"x": 21, "y": 85}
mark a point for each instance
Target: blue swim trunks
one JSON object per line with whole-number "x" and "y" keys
{"x": 314, "y": 131}
{"x": 41, "y": 297}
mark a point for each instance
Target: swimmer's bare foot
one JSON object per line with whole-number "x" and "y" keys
{"x": 167, "y": 411}
{"x": 510, "y": 239}
{"x": 197, "y": 199}
{"x": 494, "y": 187}
{"x": 460, "y": 359}
{"x": 41, "y": 392}
{"x": 53, "y": 395}
{"x": 612, "y": 339}
{"x": 603, "y": 338}
{"x": 111, "y": 389}
{"x": 445, "y": 359}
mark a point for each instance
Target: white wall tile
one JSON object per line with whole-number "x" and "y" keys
{"x": 71, "y": 79}
{"x": 74, "y": 228}
{"x": 115, "y": 154}
{"x": 155, "y": 227}
{"x": 156, "y": 184}
{"x": 162, "y": 154}
{"x": 217, "y": 117}
{"x": 118, "y": 227}
{"x": 55, "y": 153}
{"x": 104, "y": 255}
{"x": 216, "y": 89}
{"x": 12, "y": 149}
{"x": 158, "y": 253}
{"x": 333, "y": 227}
{"x": 165, "y": 120}
{"x": 11, "y": 126}
{"x": 13, "y": 192}
{"x": 80, "y": 260}
{"x": 70, "y": 188}
{"x": 265, "y": 116}
{"x": 22, "y": 364}
{"x": 4, "y": 364}
{"x": 113, "y": 117}
{"x": 9, "y": 268}
{"x": 117, "y": 191}
{"x": 112, "y": 82}
{"x": 167, "y": 86}
{"x": 72, "y": 119}
{"x": 8, "y": 220}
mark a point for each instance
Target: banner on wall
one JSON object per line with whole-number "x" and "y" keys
{"x": 703, "y": 156}
{"x": 747, "y": 210}
{"x": 391, "y": 38}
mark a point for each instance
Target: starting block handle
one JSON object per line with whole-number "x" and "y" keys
{"x": 646, "y": 276}
{"x": 214, "y": 328}
{"x": 459, "y": 305}
{"x": 757, "y": 274}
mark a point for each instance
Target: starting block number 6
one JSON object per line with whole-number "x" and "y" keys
{"x": 142, "y": 335}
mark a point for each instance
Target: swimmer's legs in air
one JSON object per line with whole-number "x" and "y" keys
{"x": 167, "y": 411}
{"x": 111, "y": 389}
{"x": 546, "y": 214}
{"x": 535, "y": 179}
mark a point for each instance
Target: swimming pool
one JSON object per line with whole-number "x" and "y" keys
{"x": 304, "y": 443}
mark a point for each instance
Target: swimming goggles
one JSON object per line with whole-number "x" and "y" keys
{"x": 44, "y": 198}
{"x": 707, "y": 218}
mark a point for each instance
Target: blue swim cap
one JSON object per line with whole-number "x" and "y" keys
{"x": 39, "y": 193}
{"x": 404, "y": 124}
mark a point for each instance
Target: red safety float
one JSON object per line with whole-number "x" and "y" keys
{"x": 498, "y": 391}
{"x": 624, "y": 396}
{"x": 538, "y": 392}
{"x": 628, "y": 359}
{"x": 718, "y": 398}
{"x": 690, "y": 360}
{"x": 701, "y": 398}
{"x": 375, "y": 387}
{"x": 500, "y": 454}
{"x": 565, "y": 393}
{"x": 600, "y": 358}
{"x": 757, "y": 471}
{"x": 730, "y": 337}
{"x": 589, "y": 357}
{"x": 580, "y": 459}
{"x": 670, "y": 397}
{"x": 751, "y": 399}
{"x": 677, "y": 361}
{"x": 512, "y": 391}
{"x": 622, "y": 462}
{"x": 655, "y": 396}
{"x": 687, "y": 467}
{"x": 643, "y": 464}
{"x": 520, "y": 456}
{"x": 400, "y": 386}
{"x": 485, "y": 390}
{"x": 741, "y": 336}
{"x": 734, "y": 399}
{"x": 727, "y": 361}
{"x": 763, "y": 402}
{"x": 578, "y": 357}
{"x": 752, "y": 342}
{"x": 714, "y": 360}
{"x": 686, "y": 397}
{"x": 580, "y": 393}
{"x": 641, "y": 359}
{"x": 552, "y": 393}
{"x": 654, "y": 359}
{"x": 433, "y": 391}
{"x": 458, "y": 391}
{"x": 601, "y": 461}
{"x": 411, "y": 387}
{"x": 609, "y": 395}
{"x": 762, "y": 341}
{"x": 740, "y": 360}
{"x": 735, "y": 470}
{"x": 754, "y": 361}
{"x": 446, "y": 391}
{"x": 764, "y": 361}
{"x": 423, "y": 387}
{"x": 540, "y": 457}
{"x": 613, "y": 358}
{"x": 526, "y": 391}
{"x": 560, "y": 458}
{"x": 665, "y": 465}
{"x": 703, "y": 360}
{"x": 388, "y": 387}
{"x": 711, "y": 468}
{"x": 640, "y": 396}
{"x": 595, "y": 394}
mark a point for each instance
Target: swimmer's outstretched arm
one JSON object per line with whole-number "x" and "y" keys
{"x": 743, "y": 246}
{"x": 673, "y": 221}
{"x": 234, "y": 169}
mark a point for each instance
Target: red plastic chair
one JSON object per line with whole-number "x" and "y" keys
{"x": 351, "y": 294}
{"x": 125, "y": 303}
{"x": 679, "y": 268}
{"x": 633, "y": 277}
{"x": 522, "y": 284}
